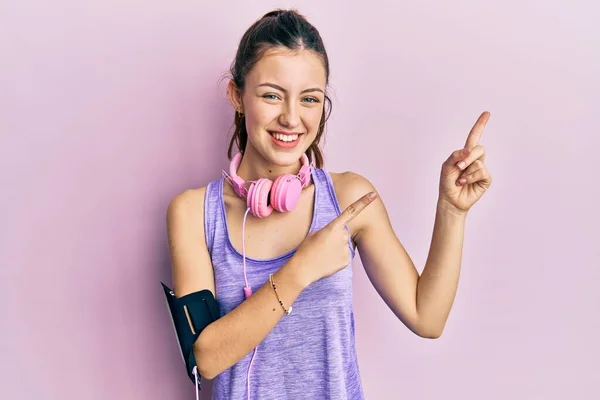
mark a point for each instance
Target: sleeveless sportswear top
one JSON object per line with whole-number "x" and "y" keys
{"x": 310, "y": 354}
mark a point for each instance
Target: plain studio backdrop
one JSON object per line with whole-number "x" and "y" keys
{"x": 110, "y": 108}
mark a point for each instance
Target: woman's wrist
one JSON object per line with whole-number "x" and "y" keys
{"x": 444, "y": 208}
{"x": 293, "y": 274}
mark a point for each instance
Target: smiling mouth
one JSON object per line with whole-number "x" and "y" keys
{"x": 286, "y": 138}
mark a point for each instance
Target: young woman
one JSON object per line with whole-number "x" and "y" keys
{"x": 273, "y": 239}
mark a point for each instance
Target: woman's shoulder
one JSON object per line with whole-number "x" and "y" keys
{"x": 187, "y": 206}
{"x": 350, "y": 186}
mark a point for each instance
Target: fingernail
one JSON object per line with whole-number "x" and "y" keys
{"x": 462, "y": 165}
{"x": 462, "y": 180}
{"x": 371, "y": 196}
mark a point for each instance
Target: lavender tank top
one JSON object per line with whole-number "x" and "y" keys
{"x": 310, "y": 354}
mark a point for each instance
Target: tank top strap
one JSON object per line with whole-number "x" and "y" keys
{"x": 327, "y": 206}
{"x": 214, "y": 224}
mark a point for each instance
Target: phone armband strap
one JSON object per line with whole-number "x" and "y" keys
{"x": 202, "y": 309}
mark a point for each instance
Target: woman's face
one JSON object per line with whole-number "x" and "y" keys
{"x": 283, "y": 103}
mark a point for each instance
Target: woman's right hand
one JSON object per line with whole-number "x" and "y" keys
{"x": 326, "y": 251}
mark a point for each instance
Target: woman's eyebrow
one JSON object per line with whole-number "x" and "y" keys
{"x": 274, "y": 86}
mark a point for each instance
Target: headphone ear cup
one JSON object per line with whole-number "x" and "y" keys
{"x": 258, "y": 198}
{"x": 285, "y": 193}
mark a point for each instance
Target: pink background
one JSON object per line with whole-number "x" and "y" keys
{"x": 110, "y": 108}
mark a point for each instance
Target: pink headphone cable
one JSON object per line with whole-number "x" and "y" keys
{"x": 195, "y": 371}
{"x": 247, "y": 293}
{"x": 247, "y": 288}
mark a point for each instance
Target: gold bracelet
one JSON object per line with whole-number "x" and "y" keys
{"x": 287, "y": 311}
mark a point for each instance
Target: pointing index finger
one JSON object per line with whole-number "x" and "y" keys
{"x": 477, "y": 130}
{"x": 355, "y": 208}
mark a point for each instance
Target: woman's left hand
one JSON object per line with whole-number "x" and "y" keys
{"x": 464, "y": 177}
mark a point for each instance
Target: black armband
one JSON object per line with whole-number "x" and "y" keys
{"x": 203, "y": 309}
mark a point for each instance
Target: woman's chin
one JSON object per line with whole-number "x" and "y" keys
{"x": 284, "y": 158}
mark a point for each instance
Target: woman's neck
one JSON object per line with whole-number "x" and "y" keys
{"x": 253, "y": 166}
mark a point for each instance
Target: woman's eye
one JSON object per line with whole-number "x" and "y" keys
{"x": 312, "y": 99}
{"x": 270, "y": 96}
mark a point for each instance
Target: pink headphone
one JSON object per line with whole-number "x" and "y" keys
{"x": 265, "y": 195}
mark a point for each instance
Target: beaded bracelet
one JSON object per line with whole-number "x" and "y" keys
{"x": 287, "y": 311}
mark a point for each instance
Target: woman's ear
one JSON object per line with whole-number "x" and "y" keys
{"x": 235, "y": 97}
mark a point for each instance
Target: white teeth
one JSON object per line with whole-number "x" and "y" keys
{"x": 285, "y": 138}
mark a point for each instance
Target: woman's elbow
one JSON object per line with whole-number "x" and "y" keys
{"x": 206, "y": 373}
{"x": 430, "y": 334}
{"x": 429, "y": 331}
{"x": 205, "y": 358}
{"x": 205, "y": 368}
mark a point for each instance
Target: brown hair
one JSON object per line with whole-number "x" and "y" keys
{"x": 279, "y": 28}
